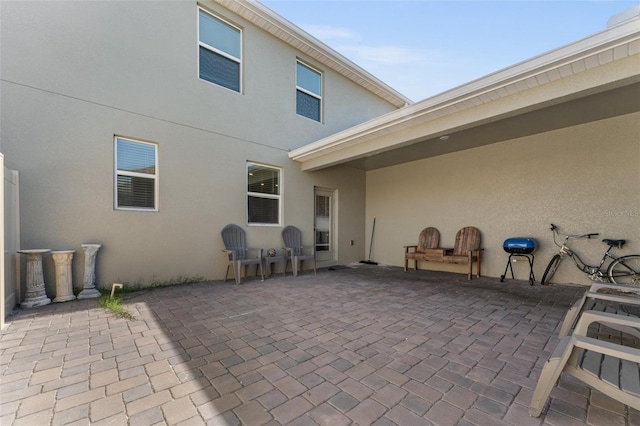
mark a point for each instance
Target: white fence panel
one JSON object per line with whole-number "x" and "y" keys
{"x": 10, "y": 262}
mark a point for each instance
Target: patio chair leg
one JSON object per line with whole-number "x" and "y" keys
{"x": 295, "y": 267}
{"x": 261, "y": 272}
{"x": 549, "y": 376}
{"x": 236, "y": 269}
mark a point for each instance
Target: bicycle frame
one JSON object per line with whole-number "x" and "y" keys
{"x": 623, "y": 270}
{"x": 595, "y": 272}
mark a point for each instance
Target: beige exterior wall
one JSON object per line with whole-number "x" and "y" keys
{"x": 77, "y": 73}
{"x": 583, "y": 179}
{"x": 3, "y": 267}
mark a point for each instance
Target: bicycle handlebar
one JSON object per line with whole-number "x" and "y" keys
{"x": 554, "y": 228}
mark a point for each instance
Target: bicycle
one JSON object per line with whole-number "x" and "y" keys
{"x": 623, "y": 270}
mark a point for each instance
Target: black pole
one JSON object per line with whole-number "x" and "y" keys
{"x": 373, "y": 230}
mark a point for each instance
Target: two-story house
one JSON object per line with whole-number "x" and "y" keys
{"x": 146, "y": 127}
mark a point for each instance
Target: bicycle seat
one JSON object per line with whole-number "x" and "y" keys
{"x": 615, "y": 243}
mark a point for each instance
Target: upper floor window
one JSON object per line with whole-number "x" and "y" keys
{"x": 263, "y": 194}
{"x": 220, "y": 54}
{"x": 136, "y": 175}
{"x": 308, "y": 92}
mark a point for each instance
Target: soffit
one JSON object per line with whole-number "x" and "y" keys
{"x": 577, "y": 83}
{"x": 289, "y": 33}
{"x": 611, "y": 103}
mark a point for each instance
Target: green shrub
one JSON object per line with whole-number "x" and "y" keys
{"x": 114, "y": 306}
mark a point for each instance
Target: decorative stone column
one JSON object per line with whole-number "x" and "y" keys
{"x": 36, "y": 294}
{"x": 64, "y": 286}
{"x": 90, "y": 252}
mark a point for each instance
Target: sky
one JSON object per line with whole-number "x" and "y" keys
{"x": 425, "y": 47}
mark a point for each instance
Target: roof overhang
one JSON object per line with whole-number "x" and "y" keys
{"x": 591, "y": 79}
{"x": 276, "y": 25}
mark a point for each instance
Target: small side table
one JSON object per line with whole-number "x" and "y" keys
{"x": 36, "y": 294}
{"x": 270, "y": 260}
{"x": 64, "y": 285}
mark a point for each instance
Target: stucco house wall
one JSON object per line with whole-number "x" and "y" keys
{"x": 583, "y": 178}
{"x": 77, "y": 73}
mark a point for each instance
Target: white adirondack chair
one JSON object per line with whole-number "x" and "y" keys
{"x": 611, "y": 368}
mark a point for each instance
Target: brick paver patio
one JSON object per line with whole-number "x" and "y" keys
{"x": 364, "y": 345}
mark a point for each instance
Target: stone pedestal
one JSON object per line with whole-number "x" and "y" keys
{"x": 89, "y": 290}
{"x": 35, "y": 294}
{"x": 64, "y": 286}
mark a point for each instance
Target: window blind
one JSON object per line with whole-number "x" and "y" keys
{"x": 136, "y": 174}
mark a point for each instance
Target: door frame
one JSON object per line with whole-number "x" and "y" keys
{"x": 330, "y": 257}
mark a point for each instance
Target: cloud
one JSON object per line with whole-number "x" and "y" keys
{"x": 388, "y": 55}
{"x": 326, "y": 33}
{"x": 359, "y": 53}
{"x": 416, "y": 72}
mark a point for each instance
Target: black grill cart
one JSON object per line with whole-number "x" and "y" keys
{"x": 519, "y": 247}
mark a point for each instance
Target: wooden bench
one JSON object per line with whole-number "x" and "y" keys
{"x": 429, "y": 239}
{"x": 466, "y": 249}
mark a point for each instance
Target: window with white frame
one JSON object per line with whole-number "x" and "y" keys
{"x": 263, "y": 194}
{"x": 308, "y": 92}
{"x": 136, "y": 183}
{"x": 220, "y": 56}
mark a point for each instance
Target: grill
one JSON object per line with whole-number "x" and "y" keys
{"x": 519, "y": 247}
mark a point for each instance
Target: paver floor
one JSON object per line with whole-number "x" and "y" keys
{"x": 363, "y": 345}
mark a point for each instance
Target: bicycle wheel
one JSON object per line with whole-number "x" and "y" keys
{"x": 552, "y": 267}
{"x": 625, "y": 270}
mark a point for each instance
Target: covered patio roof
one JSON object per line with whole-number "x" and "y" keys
{"x": 594, "y": 78}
